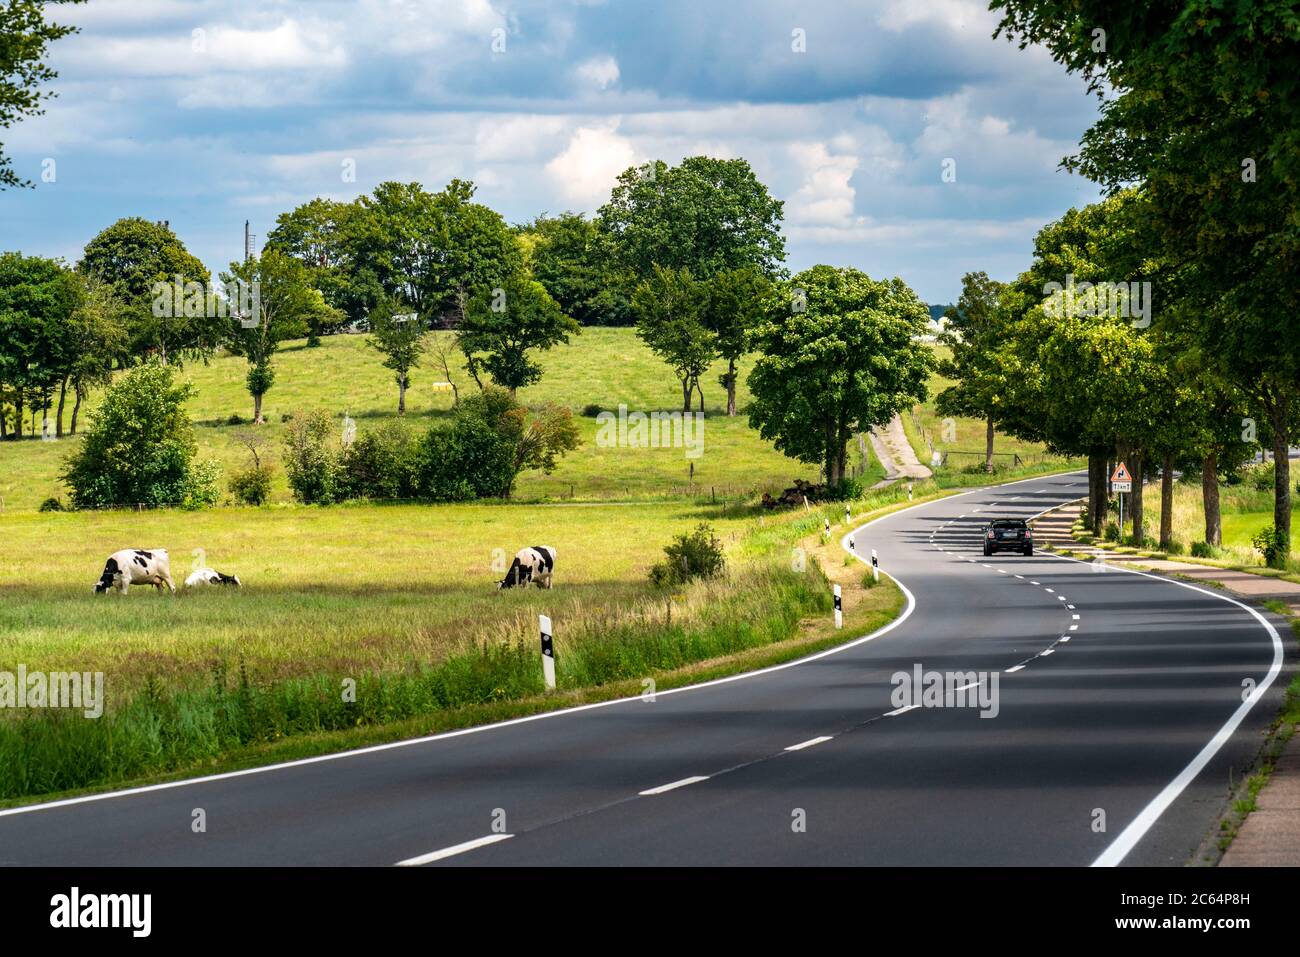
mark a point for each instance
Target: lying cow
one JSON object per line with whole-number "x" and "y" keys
{"x": 534, "y": 565}
{"x": 135, "y": 566}
{"x": 208, "y": 576}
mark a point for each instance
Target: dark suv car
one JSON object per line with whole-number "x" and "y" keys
{"x": 1008, "y": 535}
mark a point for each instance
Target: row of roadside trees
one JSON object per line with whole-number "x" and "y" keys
{"x": 1196, "y": 147}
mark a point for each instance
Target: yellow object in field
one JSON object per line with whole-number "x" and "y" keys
{"x": 442, "y": 387}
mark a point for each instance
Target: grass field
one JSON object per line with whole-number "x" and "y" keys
{"x": 605, "y": 367}
{"x": 1244, "y": 511}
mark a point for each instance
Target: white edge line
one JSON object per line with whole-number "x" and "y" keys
{"x": 1128, "y": 838}
{"x": 673, "y": 786}
{"x": 453, "y": 850}
{"x": 544, "y": 715}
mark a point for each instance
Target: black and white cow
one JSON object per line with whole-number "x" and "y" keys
{"x": 535, "y": 564}
{"x": 208, "y": 576}
{"x": 135, "y": 566}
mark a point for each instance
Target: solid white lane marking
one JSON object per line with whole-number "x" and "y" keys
{"x": 809, "y": 743}
{"x": 1012, "y": 671}
{"x": 663, "y": 788}
{"x": 453, "y": 850}
{"x": 903, "y": 710}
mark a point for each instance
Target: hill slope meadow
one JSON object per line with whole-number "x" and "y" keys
{"x": 601, "y": 367}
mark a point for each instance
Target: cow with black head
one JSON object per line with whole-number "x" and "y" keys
{"x": 135, "y": 566}
{"x": 535, "y": 564}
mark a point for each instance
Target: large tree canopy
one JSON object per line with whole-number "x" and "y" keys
{"x": 840, "y": 353}
{"x": 25, "y": 35}
{"x": 134, "y": 256}
{"x": 705, "y": 215}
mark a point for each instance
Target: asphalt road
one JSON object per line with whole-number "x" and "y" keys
{"x": 1125, "y": 705}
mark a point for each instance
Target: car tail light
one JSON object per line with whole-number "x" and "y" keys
{"x": 991, "y": 535}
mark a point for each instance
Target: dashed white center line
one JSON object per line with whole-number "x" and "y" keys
{"x": 809, "y": 743}
{"x": 1049, "y": 591}
{"x": 1065, "y": 638}
{"x": 1075, "y": 617}
{"x": 676, "y": 784}
{"x": 1021, "y": 577}
{"x": 1060, "y": 598}
{"x": 1046, "y": 653}
{"x": 903, "y": 710}
{"x": 1071, "y": 607}
{"x": 453, "y": 850}
{"x": 1012, "y": 671}
{"x": 1074, "y": 627}
{"x": 1032, "y": 582}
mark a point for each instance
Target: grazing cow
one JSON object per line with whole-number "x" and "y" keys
{"x": 135, "y": 566}
{"x": 207, "y": 576}
{"x": 533, "y": 564}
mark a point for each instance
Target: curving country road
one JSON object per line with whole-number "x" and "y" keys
{"x": 1121, "y": 713}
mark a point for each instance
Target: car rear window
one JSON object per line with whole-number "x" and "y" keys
{"x": 1009, "y": 523}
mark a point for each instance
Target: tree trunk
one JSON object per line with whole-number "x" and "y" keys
{"x": 1098, "y": 503}
{"x": 4, "y": 417}
{"x": 1281, "y": 478}
{"x": 1167, "y": 501}
{"x": 18, "y": 413}
{"x": 401, "y": 395}
{"x": 1210, "y": 499}
{"x": 257, "y": 409}
{"x": 1138, "y": 468}
{"x": 77, "y": 391}
{"x": 687, "y": 389}
{"x": 731, "y": 386}
{"x": 63, "y": 394}
{"x": 988, "y": 447}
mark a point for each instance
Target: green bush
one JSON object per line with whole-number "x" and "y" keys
{"x": 1202, "y": 550}
{"x": 1270, "y": 543}
{"x": 467, "y": 460}
{"x": 591, "y": 410}
{"x": 52, "y": 504}
{"x": 690, "y": 556}
{"x": 140, "y": 447}
{"x": 252, "y": 485}
{"x": 1112, "y": 532}
{"x": 382, "y": 464}
{"x": 848, "y": 490}
{"x": 235, "y": 419}
{"x": 311, "y": 460}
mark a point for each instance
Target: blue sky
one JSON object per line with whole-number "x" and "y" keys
{"x": 209, "y": 112}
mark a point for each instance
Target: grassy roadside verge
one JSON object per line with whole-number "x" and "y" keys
{"x": 50, "y": 758}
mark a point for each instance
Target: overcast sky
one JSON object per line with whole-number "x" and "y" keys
{"x": 209, "y": 112}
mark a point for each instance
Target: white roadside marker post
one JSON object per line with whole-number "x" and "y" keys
{"x": 848, "y": 514}
{"x": 839, "y": 609}
{"x": 548, "y": 652}
{"x": 875, "y": 566}
{"x": 909, "y": 491}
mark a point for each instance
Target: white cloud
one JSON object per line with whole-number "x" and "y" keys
{"x": 600, "y": 72}
{"x": 826, "y": 197}
{"x": 586, "y": 170}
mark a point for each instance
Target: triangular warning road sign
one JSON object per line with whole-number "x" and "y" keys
{"x": 1121, "y": 474}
